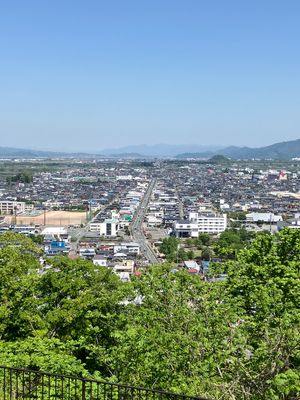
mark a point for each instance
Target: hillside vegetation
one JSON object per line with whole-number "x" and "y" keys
{"x": 237, "y": 339}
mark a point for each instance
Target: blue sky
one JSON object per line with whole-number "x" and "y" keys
{"x": 86, "y": 75}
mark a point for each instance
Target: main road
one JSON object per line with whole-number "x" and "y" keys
{"x": 137, "y": 225}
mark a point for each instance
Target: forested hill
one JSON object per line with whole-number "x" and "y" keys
{"x": 282, "y": 151}
{"x": 236, "y": 339}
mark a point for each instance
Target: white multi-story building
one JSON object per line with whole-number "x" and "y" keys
{"x": 108, "y": 227}
{"x": 10, "y": 207}
{"x": 209, "y": 222}
{"x": 185, "y": 228}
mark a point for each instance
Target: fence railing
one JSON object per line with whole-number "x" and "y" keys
{"x": 18, "y": 383}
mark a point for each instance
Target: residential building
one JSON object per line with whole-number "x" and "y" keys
{"x": 127, "y": 248}
{"x": 100, "y": 260}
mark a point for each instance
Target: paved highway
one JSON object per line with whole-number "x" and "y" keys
{"x": 137, "y": 225}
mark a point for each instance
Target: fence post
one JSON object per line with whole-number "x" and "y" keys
{"x": 83, "y": 390}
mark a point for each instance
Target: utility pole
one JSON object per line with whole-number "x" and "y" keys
{"x": 270, "y": 223}
{"x": 177, "y": 250}
{"x": 15, "y": 215}
{"x": 87, "y": 213}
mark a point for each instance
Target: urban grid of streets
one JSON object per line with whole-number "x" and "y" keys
{"x": 121, "y": 211}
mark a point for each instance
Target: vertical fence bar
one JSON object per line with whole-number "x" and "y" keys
{"x": 36, "y": 385}
{"x": 83, "y": 390}
{"x": 4, "y": 384}
{"x": 69, "y": 389}
{"x": 29, "y": 383}
{"x": 97, "y": 394}
{"x": 43, "y": 377}
{"x": 91, "y": 390}
{"x": 23, "y": 384}
{"x": 61, "y": 388}
{"x": 17, "y": 384}
{"x": 104, "y": 391}
{"x": 49, "y": 388}
{"x": 10, "y": 385}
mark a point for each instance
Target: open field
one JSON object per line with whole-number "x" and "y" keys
{"x": 53, "y": 218}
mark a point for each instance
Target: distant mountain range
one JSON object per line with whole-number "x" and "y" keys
{"x": 282, "y": 150}
{"x": 160, "y": 150}
{"x": 277, "y": 151}
{"x": 11, "y": 152}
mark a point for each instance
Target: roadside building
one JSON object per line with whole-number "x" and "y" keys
{"x": 127, "y": 248}
{"x": 186, "y": 228}
{"x": 263, "y": 217}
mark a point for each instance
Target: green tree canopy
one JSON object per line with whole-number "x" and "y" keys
{"x": 229, "y": 340}
{"x": 169, "y": 248}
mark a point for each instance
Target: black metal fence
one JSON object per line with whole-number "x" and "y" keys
{"x": 17, "y": 383}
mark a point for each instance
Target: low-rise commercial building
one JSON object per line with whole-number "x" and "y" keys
{"x": 263, "y": 217}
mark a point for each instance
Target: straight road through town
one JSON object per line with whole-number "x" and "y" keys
{"x": 137, "y": 225}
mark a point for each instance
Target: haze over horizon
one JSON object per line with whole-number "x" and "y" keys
{"x": 75, "y": 77}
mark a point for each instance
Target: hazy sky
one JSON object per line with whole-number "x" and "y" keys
{"x": 85, "y": 75}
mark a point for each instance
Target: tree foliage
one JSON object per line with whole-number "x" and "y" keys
{"x": 235, "y": 339}
{"x": 169, "y": 248}
{"x": 21, "y": 177}
{"x": 231, "y": 241}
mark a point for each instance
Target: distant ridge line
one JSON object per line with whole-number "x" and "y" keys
{"x": 277, "y": 151}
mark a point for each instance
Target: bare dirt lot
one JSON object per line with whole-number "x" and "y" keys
{"x": 53, "y": 218}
